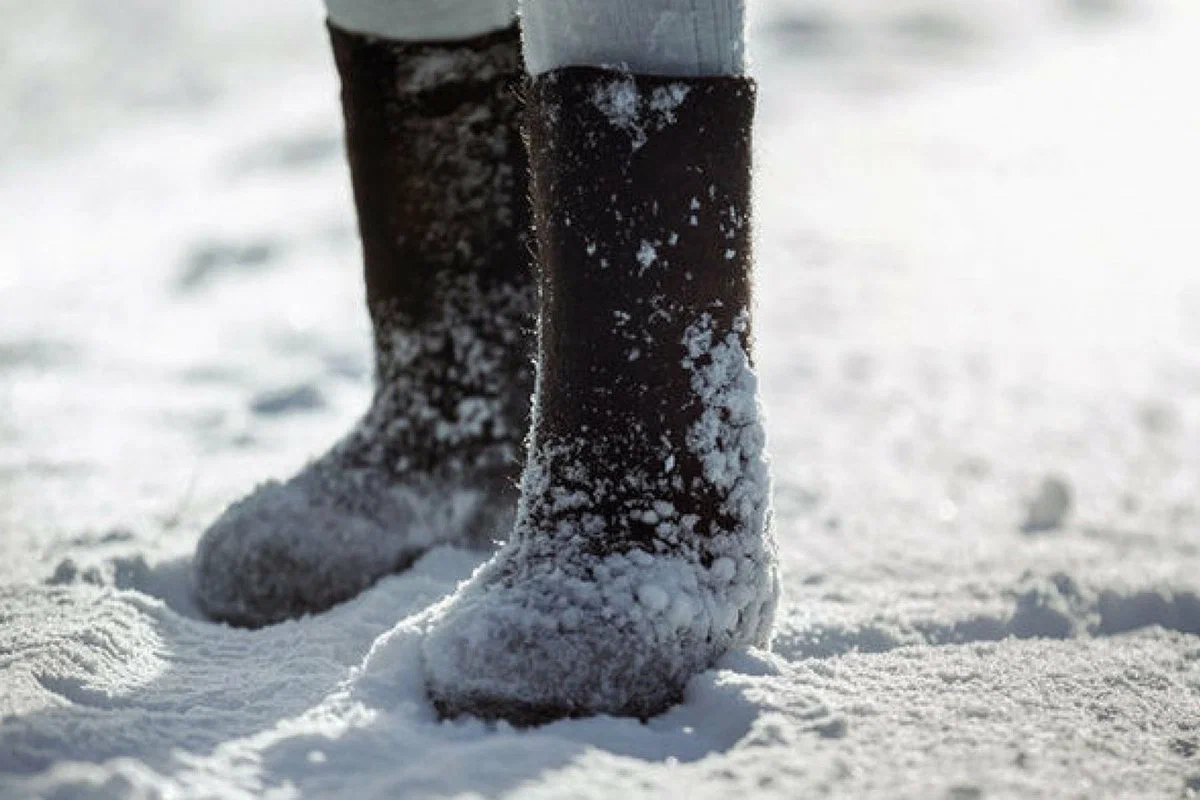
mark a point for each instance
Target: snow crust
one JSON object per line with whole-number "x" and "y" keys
{"x": 976, "y": 280}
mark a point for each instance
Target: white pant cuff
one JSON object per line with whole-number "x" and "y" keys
{"x": 422, "y": 20}
{"x": 686, "y": 38}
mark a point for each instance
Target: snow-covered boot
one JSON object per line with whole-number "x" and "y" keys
{"x": 642, "y": 549}
{"x": 440, "y": 183}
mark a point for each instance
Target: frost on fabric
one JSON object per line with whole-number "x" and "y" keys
{"x": 635, "y": 113}
{"x": 465, "y": 351}
{"x": 646, "y": 256}
{"x": 437, "y": 67}
{"x": 549, "y": 628}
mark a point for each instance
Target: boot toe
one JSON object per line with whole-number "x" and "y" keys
{"x": 286, "y": 551}
{"x": 552, "y": 647}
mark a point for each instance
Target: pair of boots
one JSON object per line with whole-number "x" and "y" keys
{"x": 639, "y": 548}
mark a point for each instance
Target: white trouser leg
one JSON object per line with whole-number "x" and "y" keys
{"x": 657, "y": 37}
{"x": 422, "y": 20}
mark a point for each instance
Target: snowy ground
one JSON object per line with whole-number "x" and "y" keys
{"x": 979, "y": 328}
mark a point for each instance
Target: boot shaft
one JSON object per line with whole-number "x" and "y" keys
{"x": 437, "y": 163}
{"x": 641, "y": 197}
{"x": 440, "y": 180}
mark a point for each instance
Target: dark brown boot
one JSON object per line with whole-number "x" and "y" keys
{"x": 440, "y": 182}
{"x": 642, "y": 549}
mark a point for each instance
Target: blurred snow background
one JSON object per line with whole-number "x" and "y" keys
{"x": 979, "y": 332}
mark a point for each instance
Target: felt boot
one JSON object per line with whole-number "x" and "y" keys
{"x": 440, "y": 183}
{"x": 642, "y": 550}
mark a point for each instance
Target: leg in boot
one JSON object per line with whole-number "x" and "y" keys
{"x": 439, "y": 175}
{"x": 642, "y": 550}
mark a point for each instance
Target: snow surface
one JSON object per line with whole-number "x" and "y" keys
{"x": 978, "y": 252}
